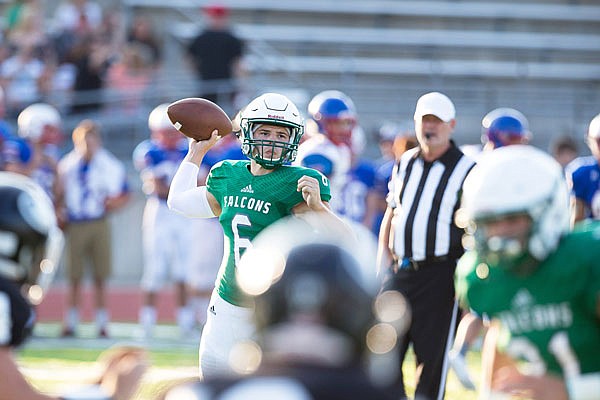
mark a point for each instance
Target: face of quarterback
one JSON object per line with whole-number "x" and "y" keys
{"x": 433, "y": 132}
{"x": 270, "y": 134}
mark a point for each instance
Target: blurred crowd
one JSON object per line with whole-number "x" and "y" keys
{"x": 65, "y": 58}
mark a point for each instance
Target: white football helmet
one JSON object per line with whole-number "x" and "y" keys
{"x": 513, "y": 180}
{"x": 271, "y": 109}
{"x": 158, "y": 118}
{"x": 34, "y": 118}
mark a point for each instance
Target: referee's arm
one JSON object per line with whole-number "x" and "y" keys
{"x": 384, "y": 252}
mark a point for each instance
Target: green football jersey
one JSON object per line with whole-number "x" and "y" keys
{"x": 549, "y": 318}
{"x": 249, "y": 204}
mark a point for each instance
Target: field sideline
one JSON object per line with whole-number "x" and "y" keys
{"x": 53, "y": 364}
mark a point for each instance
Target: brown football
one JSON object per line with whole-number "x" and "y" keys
{"x": 197, "y": 118}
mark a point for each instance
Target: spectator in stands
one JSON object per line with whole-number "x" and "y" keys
{"x": 80, "y": 17}
{"x": 13, "y": 12}
{"x": 216, "y": 57}
{"x": 142, "y": 32}
{"x": 19, "y": 76}
{"x": 91, "y": 57}
{"x": 28, "y": 29}
{"x": 564, "y": 149}
{"x": 95, "y": 185}
{"x": 128, "y": 78}
{"x": 583, "y": 175}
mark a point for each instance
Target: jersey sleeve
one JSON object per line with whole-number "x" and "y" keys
{"x": 217, "y": 180}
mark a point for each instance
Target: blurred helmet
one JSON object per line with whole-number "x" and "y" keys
{"x": 162, "y": 131}
{"x": 594, "y": 128}
{"x": 158, "y": 118}
{"x": 304, "y": 281}
{"x": 33, "y": 119}
{"x": 333, "y": 105}
{"x": 270, "y": 109}
{"x": 505, "y": 126}
{"x": 30, "y": 241}
{"x": 511, "y": 181}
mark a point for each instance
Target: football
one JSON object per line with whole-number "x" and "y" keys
{"x": 197, "y": 118}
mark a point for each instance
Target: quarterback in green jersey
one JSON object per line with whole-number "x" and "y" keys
{"x": 538, "y": 283}
{"x": 247, "y": 196}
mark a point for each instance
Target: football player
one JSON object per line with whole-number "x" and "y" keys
{"x": 329, "y": 150}
{"x": 583, "y": 175}
{"x": 500, "y": 127}
{"x": 247, "y": 196}
{"x": 537, "y": 283}
{"x": 165, "y": 241}
{"x": 319, "y": 318}
{"x": 35, "y": 152}
{"x": 30, "y": 249}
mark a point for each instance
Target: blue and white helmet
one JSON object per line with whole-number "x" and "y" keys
{"x": 333, "y": 105}
{"x": 504, "y": 126}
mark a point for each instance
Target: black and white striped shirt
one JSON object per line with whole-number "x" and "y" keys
{"x": 425, "y": 196}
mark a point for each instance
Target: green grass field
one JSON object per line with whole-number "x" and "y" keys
{"x": 52, "y": 364}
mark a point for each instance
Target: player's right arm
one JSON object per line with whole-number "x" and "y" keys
{"x": 185, "y": 196}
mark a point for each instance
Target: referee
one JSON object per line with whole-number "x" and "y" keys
{"x": 419, "y": 243}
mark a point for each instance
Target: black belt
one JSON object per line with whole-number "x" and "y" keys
{"x": 410, "y": 264}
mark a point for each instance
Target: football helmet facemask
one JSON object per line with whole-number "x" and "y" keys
{"x": 271, "y": 109}
{"x": 31, "y": 243}
{"x": 505, "y": 126}
{"x": 510, "y": 181}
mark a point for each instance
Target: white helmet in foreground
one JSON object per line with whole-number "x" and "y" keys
{"x": 516, "y": 180}
{"x": 34, "y": 118}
